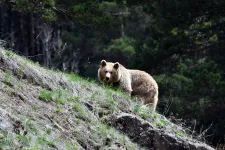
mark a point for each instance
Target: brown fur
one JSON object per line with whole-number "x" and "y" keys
{"x": 134, "y": 82}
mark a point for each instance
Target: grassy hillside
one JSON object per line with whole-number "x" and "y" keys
{"x": 46, "y": 109}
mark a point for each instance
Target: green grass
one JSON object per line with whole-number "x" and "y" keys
{"x": 44, "y": 141}
{"x": 9, "y": 53}
{"x": 59, "y": 109}
{"x": 181, "y": 134}
{"x": 74, "y": 77}
{"x": 80, "y": 110}
{"x": 45, "y": 96}
{"x": 8, "y": 77}
{"x": 35, "y": 108}
{"x": 142, "y": 110}
{"x": 32, "y": 148}
{"x": 58, "y": 96}
{"x": 69, "y": 146}
{"x": 24, "y": 61}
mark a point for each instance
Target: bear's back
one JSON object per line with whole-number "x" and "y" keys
{"x": 142, "y": 79}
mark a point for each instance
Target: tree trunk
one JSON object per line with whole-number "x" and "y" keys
{"x": 46, "y": 35}
{"x": 28, "y": 36}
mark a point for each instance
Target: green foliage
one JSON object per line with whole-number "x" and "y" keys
{"x": 43, "y": 8}
{"x": 201, "y": 73}
{"x": 86, "y": 13}
{"x": 196, "y": 88}
{"x": 214, "y": 38}
{"x": 207, "y": 24}
{"x": 174, "y": 31}
{"x": 48, "y": 15}
{"x": 122, "y": 46}
{"x": 90, "y": 13}
{"x": 113, "y": 7}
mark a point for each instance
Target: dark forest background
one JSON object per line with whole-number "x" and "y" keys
{"x": 179, "y": 42}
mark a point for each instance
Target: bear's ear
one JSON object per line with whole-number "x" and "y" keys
{"x": 103, "y": 63}
{"x": 116, "y": 65}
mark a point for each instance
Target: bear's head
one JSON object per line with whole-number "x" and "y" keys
{"x": 109, "y": 72}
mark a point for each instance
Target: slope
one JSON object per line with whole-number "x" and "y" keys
{"x": 46, "y": 109}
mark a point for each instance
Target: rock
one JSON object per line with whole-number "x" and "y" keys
{"x": 5, "y": 124}
{"x": 143, "y": 133}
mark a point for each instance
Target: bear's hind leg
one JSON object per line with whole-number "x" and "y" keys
{"x": 151, "y": 100}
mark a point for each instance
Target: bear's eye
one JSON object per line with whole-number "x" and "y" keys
{"x": 106, "y": 71}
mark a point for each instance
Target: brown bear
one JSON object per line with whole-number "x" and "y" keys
{"x": 134, "y": 82}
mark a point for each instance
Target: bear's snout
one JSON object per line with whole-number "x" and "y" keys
{"x": 107, "y": 76}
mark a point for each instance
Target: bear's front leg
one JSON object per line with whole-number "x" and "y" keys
{"x": 129, "y": 92}
{"x": 126, "y": 87}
